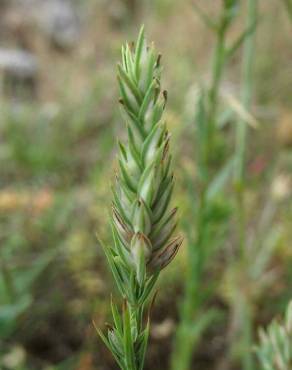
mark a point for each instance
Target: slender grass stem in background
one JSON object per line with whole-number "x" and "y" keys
{"x": 142, "y": 223}
{"x": 193, "y": 319}
{"x": 244, "y": 307}
{"x": 274, "y": 350}
{"x": 219, "y": 60}
{"x": 241, "y": 132}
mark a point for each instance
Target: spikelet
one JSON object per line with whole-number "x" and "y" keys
{"x": 143, "y": 224}
{"x": 275, "y": 348}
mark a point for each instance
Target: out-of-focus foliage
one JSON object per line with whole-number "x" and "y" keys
{"x": 58, "y": 129}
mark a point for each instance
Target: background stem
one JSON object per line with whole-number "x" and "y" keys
{"x": 217, "y": 71}
{"x": 246, "y": 93}
{"x": 186, "y": 335}
{"x": 240, "y": 185}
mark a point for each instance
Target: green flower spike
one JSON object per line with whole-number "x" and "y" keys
{"x": 143, "y": 225}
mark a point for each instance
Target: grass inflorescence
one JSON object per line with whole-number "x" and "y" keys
{"x": 143, "y": 225}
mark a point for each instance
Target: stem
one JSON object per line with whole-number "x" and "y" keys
{"x": 239, "y": 180}
{"x": 241, "y": 132}
{"x": 186, "y": 335}
{"x": 217, "y": 71}
{"x": 136, "y": 311}
{"x": 185, "y": 339}
{"x": 246, "y": 95}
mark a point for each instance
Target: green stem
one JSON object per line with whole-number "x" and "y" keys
{"x": 136, "y": 312}
{"x": 217, "y": 71}
{"x": 186, "y": 335}
{"x": 240, "y": 159}
{"x": 185, "y": 339}
{"x": 246, "y": 95}
{"x": 241, "y": 132}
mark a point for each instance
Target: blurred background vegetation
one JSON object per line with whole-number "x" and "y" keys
{"x": 58, "y": 126}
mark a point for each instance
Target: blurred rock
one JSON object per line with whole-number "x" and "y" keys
{"x": 60, "y": 22}
{"x": 57, "y": 20}
{"x": 19, "y": 62}
{"x": 18, "y": 70}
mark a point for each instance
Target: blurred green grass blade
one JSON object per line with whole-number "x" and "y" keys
{"x": 220, "y": 181}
